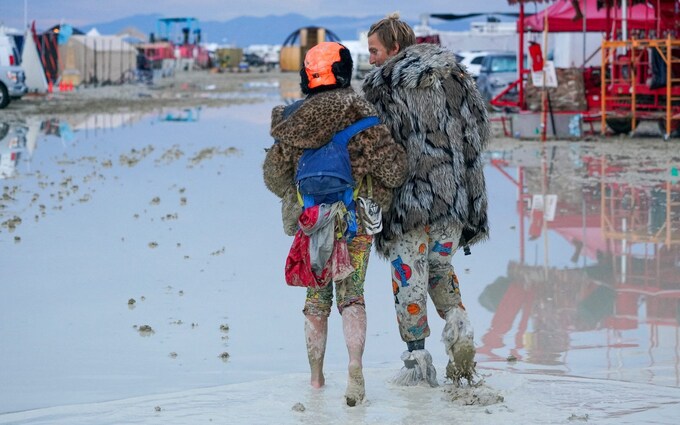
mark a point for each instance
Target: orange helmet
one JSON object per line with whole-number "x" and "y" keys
{"x": 328, "y": 64}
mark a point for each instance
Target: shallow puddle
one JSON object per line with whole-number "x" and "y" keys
{"x": 580, "y": 276}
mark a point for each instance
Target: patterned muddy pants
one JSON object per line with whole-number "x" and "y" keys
{"x": 347, "y": 291}
{"x": 421, "y": 264}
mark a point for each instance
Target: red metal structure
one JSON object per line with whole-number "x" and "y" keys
{"x": 167, "y": 43}
{"x": 640, "y": 57}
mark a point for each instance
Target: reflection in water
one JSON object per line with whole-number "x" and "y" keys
{"x": 181, "y": 115}
{"x": 19, "y": 140}
{"x": 95, "y": 122}
{"x": 603, "y": 280}
{"x": 12, "y": 146}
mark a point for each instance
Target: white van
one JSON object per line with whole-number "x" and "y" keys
{"x": 9, "y": 55}
{"x": 12, "y": 76}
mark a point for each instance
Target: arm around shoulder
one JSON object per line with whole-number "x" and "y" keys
{"x": 278, "y": 168}
{"x": 390, "y": 164}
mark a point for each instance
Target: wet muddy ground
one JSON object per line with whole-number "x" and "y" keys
{"x": 140, "y": 253}
{"x": 184, "y": 89}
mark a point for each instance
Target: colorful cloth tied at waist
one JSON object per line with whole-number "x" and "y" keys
{"x": 319, "y": 253}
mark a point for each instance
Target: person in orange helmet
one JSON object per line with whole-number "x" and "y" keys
{"x": 330, "y": 106}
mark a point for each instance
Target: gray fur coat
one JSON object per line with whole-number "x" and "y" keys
{"x": 433, "y": 109}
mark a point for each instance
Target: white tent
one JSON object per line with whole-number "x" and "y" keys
{"x": 96, "y": 59}
{"x": 32, "y": 65}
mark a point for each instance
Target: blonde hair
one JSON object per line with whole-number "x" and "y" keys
{"x": 392, "y": 31}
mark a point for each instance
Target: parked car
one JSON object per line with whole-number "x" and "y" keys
{"x": 361, "y": 65}
{"x": 12, "y": 84}
{"x": 498, "y": 70}
{"x": 472, "y": 59}
{"x": 253, "y": 60}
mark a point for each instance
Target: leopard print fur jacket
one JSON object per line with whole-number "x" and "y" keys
{"x": 312, "y": 125}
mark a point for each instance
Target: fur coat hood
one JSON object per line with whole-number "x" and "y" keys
{"x": 434, "y": 110}
{"x": 312, "y": 125}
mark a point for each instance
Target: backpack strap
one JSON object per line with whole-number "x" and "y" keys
{"x": 369, "y": 186}
{"x": 290, "y": 109}
{"x": 342, "y": 137}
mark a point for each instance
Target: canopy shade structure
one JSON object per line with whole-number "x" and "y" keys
{"x": 457, "y": 16}
{"x": 609, "y": 3}
{"x": 514, "y": 2}
{"x": 563, "y": 17}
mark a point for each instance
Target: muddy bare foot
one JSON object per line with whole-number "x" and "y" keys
{"x": 318, "y": 381}
{"x": 355, "y": 386}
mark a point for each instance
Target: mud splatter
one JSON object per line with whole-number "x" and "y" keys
{"x": 209, "y": 153}
{"x": 478, "y": 394}
{"x": 145, "y": 330}
{"x": 135, "y": 156}
{"x": 171, "y": 155}
{"x": 218, "y": 252}
{"x": 11, "y": 224}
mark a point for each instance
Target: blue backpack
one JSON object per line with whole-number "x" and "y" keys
{"x": 324, "y": 175}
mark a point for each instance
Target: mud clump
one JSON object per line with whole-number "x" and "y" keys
{"x": 12, "y": 223}
{"x": 474, "y": 395}
{"x": 145, "y": 330}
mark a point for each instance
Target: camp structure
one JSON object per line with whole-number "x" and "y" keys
{"x": 36, "y": 80}
{"x": 637, "y": 77}
{"x": 189, "y": 53}
{"x": 297, "y": 44}
{"x": 229, "y": 57}
{"x": 132, "y": 35}
{"x": 159, "y": 57}
{"x": 96, "y": 59}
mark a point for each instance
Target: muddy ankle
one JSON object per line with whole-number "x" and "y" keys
{"x": 318, "y": 382}
{"x": 355, "y": 386}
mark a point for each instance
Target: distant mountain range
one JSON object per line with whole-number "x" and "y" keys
{"x": 247, "y": 30}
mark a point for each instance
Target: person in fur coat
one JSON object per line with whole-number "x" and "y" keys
{"x": 433, "y": 109}
{"x": 330, "y": 106}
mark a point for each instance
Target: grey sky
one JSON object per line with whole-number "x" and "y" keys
{"x": 84, "y": 12}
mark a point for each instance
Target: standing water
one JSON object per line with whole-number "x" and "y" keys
{"x": 142, "y": 261}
